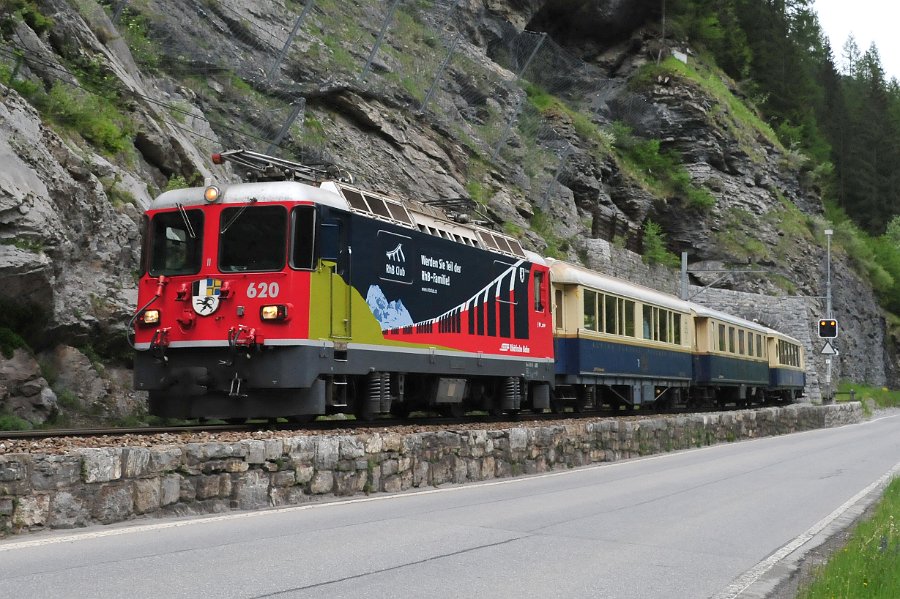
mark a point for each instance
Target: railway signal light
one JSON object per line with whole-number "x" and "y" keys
{"x": 828, "y": 328}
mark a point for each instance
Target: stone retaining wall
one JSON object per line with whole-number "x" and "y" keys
{"x": 108, "y": 485}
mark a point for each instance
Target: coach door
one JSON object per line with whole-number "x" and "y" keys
{"x": 336, "y": 256}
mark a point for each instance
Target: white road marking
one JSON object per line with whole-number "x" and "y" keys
{"x": 743, "y": 582}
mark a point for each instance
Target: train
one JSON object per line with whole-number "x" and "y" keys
{"x": 296, "y": 294}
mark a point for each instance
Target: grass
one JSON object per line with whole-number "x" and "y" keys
{"x": 869, "y": 566}
{"x": 882, "y": 396}
{"x": 9, "y": 422}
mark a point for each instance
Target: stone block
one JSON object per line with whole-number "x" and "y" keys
{"x": 101, "y": 465}
{"x": 322, "y": 482}
{"x": 208, "y": 486}
{"x": 392, "y": 442}
{"x": 32, "y": 510}
{"x": 113, "y": 503}
{"x": 256, "y": 451}
{"x": 51, "y": 472}
{"x": 302, "y": 450}
{"x": 14, "y": 474}
{"x": 286, "y": 496}
{"x": 351, "y": 448}
{"x": 374, "y": 444}
{"x": 518, "y": 439}
{"x": 170, "y": 489}
{"x": 274, "y": 448}
{"x": 349, "y": 483}
{"x": 187, "y": 489}
{"x": 147, "y": 495}
{"x": 68, "y": 511}
{"x": 392, "y": 484}
{"x": 165, "y": 460}
{"x": 304, "y": 474}
{"x": 136, "y": 461}
{"x": 6, "y": 506}
{"x": 251, "y": 490}
{"x": 285, "y": 478}
{"x": 327, "y": 452}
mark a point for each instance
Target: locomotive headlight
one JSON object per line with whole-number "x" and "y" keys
{"x": 150, "y": 317}
{"x": 276, "y": 312}
{"x": 211, "y": 194}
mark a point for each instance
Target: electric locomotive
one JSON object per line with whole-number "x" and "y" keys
{"x": 298, "y": 295}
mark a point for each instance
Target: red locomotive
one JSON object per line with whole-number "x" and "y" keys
{"x": 296, "y": 296}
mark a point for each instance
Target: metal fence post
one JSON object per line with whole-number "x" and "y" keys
{"x": 299, "y": 106}
{"x": 440, "y": 72}
{"x": 290, "y": 40}
{"x": 118, "y": 12}
{"x": 384, "y": 26}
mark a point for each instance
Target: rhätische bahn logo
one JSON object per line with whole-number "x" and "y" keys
{"x": 205, "y": 296}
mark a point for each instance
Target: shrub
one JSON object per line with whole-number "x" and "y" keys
{"x": 655, "y": 251}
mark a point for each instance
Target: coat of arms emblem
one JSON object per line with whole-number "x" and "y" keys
{"x": 205, "y": 296}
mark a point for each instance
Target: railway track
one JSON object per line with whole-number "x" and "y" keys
{"x": 332, "y": 425}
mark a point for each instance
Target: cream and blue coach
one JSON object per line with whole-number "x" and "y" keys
{"x": 731, "y": 363}
{"x": 617, "y": 343}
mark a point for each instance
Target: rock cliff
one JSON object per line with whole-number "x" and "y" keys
{"x": 536, "y": 111}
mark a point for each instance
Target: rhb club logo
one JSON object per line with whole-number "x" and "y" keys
{"x": 205, "y": 296}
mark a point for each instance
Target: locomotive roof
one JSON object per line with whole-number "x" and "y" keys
{"x": 412, "y": 215}
{"x": 563, "y": 272}
{"x": 268, "y": 191}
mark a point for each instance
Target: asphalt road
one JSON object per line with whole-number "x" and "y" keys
{"x": 698, "y": 523}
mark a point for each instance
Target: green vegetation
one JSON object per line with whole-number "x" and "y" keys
{"x": 730, "y": 112}
{"x": 540, "y": 223}
{"x": 94, "y": 117}
{"x": 9, "y": 342}
{"x": 883, "y": 397}
{"x": 135, "y": 31}
{"x": 10, "y": 422}
{"x": 552, "y": 107}
{"x": 176, "y": 182}
{"x": 118, "y": 197}
{"x": 27, "y": 11}
{"x": 655, "y": 251}
{"x": 869, "y": 566}
{"x": 28, "y": 245}
{"x": 662, "y": 172}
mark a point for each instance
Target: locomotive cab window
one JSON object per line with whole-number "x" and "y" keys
{"x": 176, "y": 242}
{"x": 304, "y": 237}
{"x": 253, "y": 238}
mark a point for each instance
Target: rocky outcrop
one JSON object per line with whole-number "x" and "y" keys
{"x": 105, "y": 485}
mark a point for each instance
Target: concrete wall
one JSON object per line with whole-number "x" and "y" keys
{"x": 106, "y": 485}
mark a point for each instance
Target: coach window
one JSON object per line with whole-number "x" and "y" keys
{"x": 647, "y": 321}
{"x": 676, "y": 329}
{"x": 721, "y": 337}
{"x": 304, "y": 237}
{"x": 177, "y": 241}
{"x": 741, "y": 342}
{"x": 590, "y": 310}
{"x": 609, "y": 312}
{"x": 252, "y": 238}
{"x": 626, "y": 313}
{"x": 731, "y": 340}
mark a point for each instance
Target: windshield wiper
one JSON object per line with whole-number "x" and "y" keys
{"x": 237, "y": 215}
{"x": 187, "y": 222}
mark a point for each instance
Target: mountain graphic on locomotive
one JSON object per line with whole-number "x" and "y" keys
{"x": 297, "y": 294}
